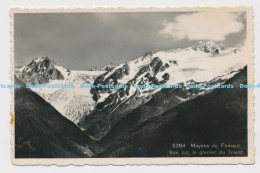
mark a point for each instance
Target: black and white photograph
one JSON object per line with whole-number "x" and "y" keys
{"x": 133, "y": 84}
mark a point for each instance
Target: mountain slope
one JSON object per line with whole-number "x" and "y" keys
{"x": 218, "y": 117}
{"x": 125, "y": 122}
{"x": 42, "y": 132}
{"x": 71, "y": 103}
{"x": 179, "y": 66}
{"x": 97, "y": 110}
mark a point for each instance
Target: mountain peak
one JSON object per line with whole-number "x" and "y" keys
{"x": 39, "y": 70}
{"x": 208, "y": 46}
{"x": 42, "y": 60}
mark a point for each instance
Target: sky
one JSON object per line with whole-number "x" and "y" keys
{"x": 78, "y": 41}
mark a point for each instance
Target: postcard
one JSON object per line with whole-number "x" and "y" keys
{"x": 132, "y": 86}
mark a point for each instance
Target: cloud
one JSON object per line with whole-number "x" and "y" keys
{"x": 203, "y": 26}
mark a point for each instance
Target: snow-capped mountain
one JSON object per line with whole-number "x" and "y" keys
{"x": 119, "y": 121}
{"x": 72, "y": 103}
{"x": 173, "y": 66}
{"x": 178, "y": 66}
{"x": 38, "y": 71}
{"x": 97, "y": 110}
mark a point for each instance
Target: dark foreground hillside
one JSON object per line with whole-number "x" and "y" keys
{"x": 215, "y": 118}
{"x": 42, "y": 132}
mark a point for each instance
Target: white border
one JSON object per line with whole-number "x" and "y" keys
{"x": 157, "y": 160}
{"x": 5, "y": 159}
